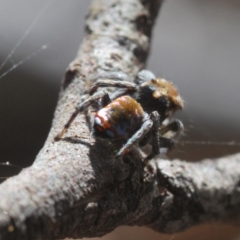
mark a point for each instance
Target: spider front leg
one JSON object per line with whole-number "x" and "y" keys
{"x": 114, "y": 76}
{"x": 120, "y": 80}
{"x": 119, "y": 76}
{"x": 136, "y": 137}
{"x": 105, "y": 100}
{"x": 155, "y": 135}
{"x": 165, "y": 140}
{"x": 164, "y": 143}
{"x": 172, "y": 130}
{"x": 112, "y": 83}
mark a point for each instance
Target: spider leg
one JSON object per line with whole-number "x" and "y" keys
{"x": 115, "y": 76}
{"x": 136, "y": 137}
{"x": 104, "y": 97}
{"x": 120, "y": 80}
{"x": 164, "y": 143}
{"x": 155, "y": 134}
{"x": 110, "y": 75}
{"x": 172, "y": 130}
{"x": 165, "y": 135}
{"x": 112, "y": 83}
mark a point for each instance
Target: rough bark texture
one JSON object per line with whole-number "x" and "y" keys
{"x": 75, "y": 189}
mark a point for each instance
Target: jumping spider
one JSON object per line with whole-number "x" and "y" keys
{"x": 135, "y": 112}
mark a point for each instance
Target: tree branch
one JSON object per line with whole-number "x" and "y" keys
{"x": 196, "y": 193}
{"x": 75, "y": 189}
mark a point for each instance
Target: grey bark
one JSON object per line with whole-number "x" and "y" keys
{"x": 76, "y": 189}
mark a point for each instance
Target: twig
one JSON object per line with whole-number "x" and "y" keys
{"x": 58, "y": 196}
{"x": 74, "y": 189}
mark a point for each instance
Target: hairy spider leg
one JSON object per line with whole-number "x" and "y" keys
{"x": 136, "y": 137}
{"x": 173, "y": 129}
{"x": 163, "y": 143}
{"x": 118, "y": 75}
{"x": 112, "y": 83}
{"x": 165, "y": 135}
{"x": 155, "y": 133}
{"x": 142, "y": 76}
{"x": 124, "y": 82}
{"x": 105, "y": 100}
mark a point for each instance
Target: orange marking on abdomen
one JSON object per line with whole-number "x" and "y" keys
{"x": 120, "y": 118}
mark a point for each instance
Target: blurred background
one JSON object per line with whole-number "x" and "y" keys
{"x": 196, "y": 45}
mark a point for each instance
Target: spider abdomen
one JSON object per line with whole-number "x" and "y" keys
{"x": 120, "y": 118}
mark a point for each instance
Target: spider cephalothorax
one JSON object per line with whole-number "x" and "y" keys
{"x": 136, "y": 114}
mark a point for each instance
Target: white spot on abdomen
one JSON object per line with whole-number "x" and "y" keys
{"x": 103, "y": 114}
